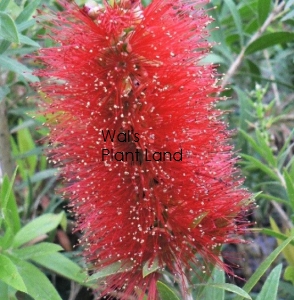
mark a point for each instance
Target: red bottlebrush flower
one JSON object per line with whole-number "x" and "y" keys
{"x": 151, "y": 173}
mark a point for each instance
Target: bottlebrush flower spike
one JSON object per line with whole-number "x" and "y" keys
{"x": 150, "y": 171}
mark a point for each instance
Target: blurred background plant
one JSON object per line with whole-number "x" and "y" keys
{"x": 254, "y": 48}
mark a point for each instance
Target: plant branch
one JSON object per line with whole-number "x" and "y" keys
{"x": 235, "y": 65}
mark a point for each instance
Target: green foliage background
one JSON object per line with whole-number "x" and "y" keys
{"x": 254, "y": 49}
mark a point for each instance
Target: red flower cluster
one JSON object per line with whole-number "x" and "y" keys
{"x": 131, "y": 110}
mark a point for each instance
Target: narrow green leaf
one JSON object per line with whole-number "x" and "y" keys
{"x": 263, "y": 7}
{"x": 289, "y": 3}
{"x": 3, "y": 4}
{"x": 26, "y": 143}
{"x": 237, "y": 19}
{"x": 288, "y": 16}
{"x": 287, "y": 288}
{"x": 41, "y": 249}
{"x": 62, "y": 265}
{"x": 117, "y": 267}
{"x": 10, "y": 275}
{"x": 288, "y": 251}
{"x": 165, "y": 292}
{"x": 9, "y": 205}
{"x": 8, "y": 30}
{"x": 266, "y": 149}
{"x": 259, "y": 165}
{"x": 277, "y": 199}
{"x": 269, "y": 40}
{"x": 44, "y": 175}
{"x": 245, "y": 109}
{"x": 37, "y": 227}
{"x": 275, "y": 234}
{"x": 213, "y": 58}
{"x": 289, "y": 274}
{"x": 37, "y": 284}
{"x": 150, "y": 266}
{"x": 270, "y": 288}
{"x": 4, "y": 45}
{"x": 146, "y": 2}
{"x": 20, "y": 162}
{"x": 25, "y": 25}
{"x": 290, "y": 188}
{"x": 27, "y": 41}
{"x": 17, "y": 67}
{"x": 6, "y": 239}
{"x": 217, "y": 277}
{"x": 260, "y": 146}
{"x": 230, "y": 288}
{"x": 27, "y": 11}
{"x": 286, "y": 149}
{"x": 4, "y": 290}
{"x": 4, "y": 90}
{"x": 254, "y": 69}
{"x": 263, "y": 267}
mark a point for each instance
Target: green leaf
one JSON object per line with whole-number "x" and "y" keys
{"x": 117, "y": 267}
{"x": 27, "y": 41}
{"x": 277, "y": 235}
{"x": 3, "y": 4}
{"x": 277, "y": 199}
{"x": 263, "y": 267}
{"x": 9, "y": 205}
{"x": 26, "y": 143}
{"x": 146, "y": 2}
{"x": 37, "y": 284}
{"x": 10, "y": 275}
{"x": 4, "y": 90}
{"x": 4, "y": 45}
{"x": 266, "y": 149}
{"x": 287, "y": 288}
{"x": 217, "y": 277}
{"x": 260, "y": 146}
{"x": 37, "y": 227}
{"x": 27, "y": 11}
{"x": 41, "y": 249}
{"x": 165, "y": 292}
{"x": 17, "y": 67}
{"x": 44, "y": 175}
{"x": 245, "y": 108}
{"x": 289, "y": 274}
{"x": 62, "y": 265}
{"x": 4, "y": 290}
{"x": 6, "y": 239}
{"x": 288, "y": 16}
{"x": 25, "y": 25}
{"x": 288, "y": 251}
{"x": 269, "y": 40}
{"x": 290, "y": 188}
{"x": 289, "y": 3}
{"x": 8, "y": 29}
{"x": 270, "y": 288}
{"x": 263, "y": 7}
{"x": 230, "y": 288}
{"x": 237, "y": 19}
{"x": 150, "y": 266}
{"x": 213, "y": 58}
{"x": 259, "y": 165}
